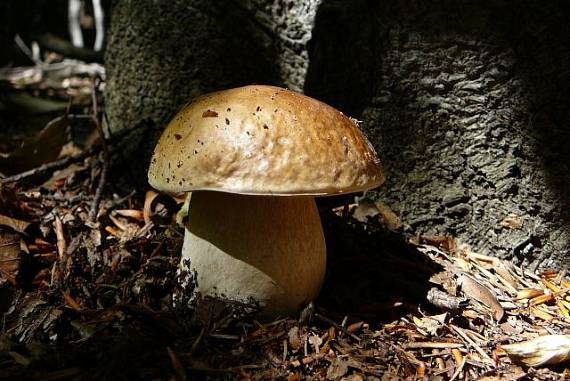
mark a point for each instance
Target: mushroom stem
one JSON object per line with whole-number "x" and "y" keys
{"x": 264, "y": 249}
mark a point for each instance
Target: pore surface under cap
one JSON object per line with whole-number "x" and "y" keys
{"x": 263, "y": 140}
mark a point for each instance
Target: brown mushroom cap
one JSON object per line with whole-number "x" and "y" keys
{"x": 263, "y": 140}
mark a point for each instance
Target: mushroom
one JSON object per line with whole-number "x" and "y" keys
{"x": 254, "y": 158}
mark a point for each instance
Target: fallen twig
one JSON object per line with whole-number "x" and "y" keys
{"x": 105, "y": 169}
{"x": 52, "y": 166}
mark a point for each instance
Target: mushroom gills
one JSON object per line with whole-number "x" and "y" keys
{"x": 264, "y": 249}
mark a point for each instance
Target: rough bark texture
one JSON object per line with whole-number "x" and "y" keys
{"x": 468, "y": 110}
{"x": 162, "y": 53}
{"x": 466, "y": 101}
{"x": 291, "y": 24}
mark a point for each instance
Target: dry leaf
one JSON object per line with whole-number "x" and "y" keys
{"x": 337, "y": 369}
{"x": 477, "y": 291}
{"x": 549, "y": 349}
{"x": 18, "y": 225}
{"x": 147, "y": 212}
{"x": 539, "y": 313}
{"x": 504, "y": 272}
{"x": 444, "y": 242}
{"x": 430, "y": 324}
{"x": 42, "y": 148}
{"x": 389, "y": 218}
{"x": 9, "y": 255}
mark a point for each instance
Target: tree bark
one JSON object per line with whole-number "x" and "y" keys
{"x": 467, "y": 104}
{"x": 466, "y": 101}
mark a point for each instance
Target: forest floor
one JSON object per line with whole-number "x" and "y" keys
{"x": 88, "y": 273}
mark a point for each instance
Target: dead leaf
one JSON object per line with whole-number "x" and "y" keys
{"x": 355, "y": 327}
{"x": 430, "y": 324}
{"x": 444, "y": 242}
{"x": 17, "y": 225}
{"x": 9, "y": 255}
{"x": 337, "y": 369}
{"x": 389, "y": 218}
{"x": 40, "y": 149}
{"x": 147, "y": 212}
{"x": 504, "y": 271}
{"x": 477, "y": 291}
{"x": 540, "y": 313}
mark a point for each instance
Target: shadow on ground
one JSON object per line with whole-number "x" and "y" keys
{"x": 372, "y": 273}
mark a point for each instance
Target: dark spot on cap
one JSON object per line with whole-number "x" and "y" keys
{"x": 195, "y": 152}
{"x": 258, "y": 108}
{"x": 209, "y": 114}
{"x": 229, "y": 109}
{"x": 227, "y": 121}
{"x": 177, "y": 136}
{"x": 265, "y": 127}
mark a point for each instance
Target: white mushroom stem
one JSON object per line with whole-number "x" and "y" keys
{"x": 266, "y": 249}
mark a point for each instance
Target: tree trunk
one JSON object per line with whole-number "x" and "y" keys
{"x": 467, "y": 104}
{"x": 466, "y": 101}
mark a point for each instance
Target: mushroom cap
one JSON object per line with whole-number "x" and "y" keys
{"x": 263, "y": 140}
